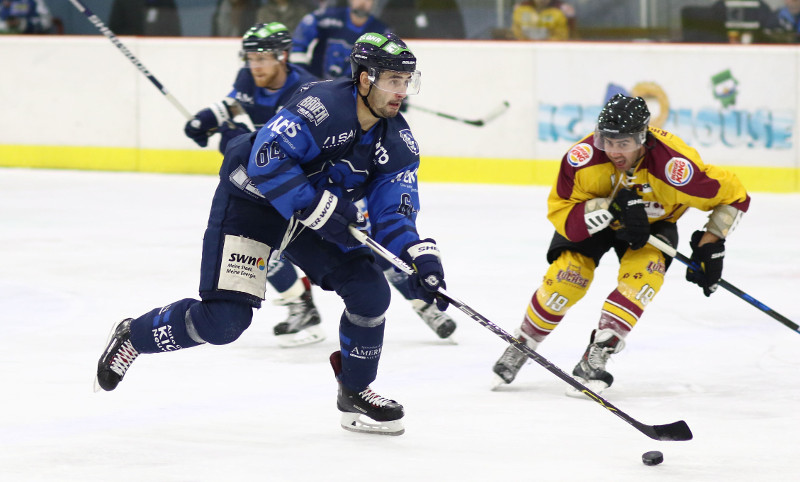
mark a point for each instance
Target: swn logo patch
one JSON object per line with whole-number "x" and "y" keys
{"x": 248, "y": 260}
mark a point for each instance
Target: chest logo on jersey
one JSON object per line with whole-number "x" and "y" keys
{"x": 580, "y": 154}
{"x": 244, "y": 98}
{"x": 678, "y": 171}
{"x": 312, "y": 109}
{"x": 338, "y": 139}
{"x": 405, "y": 134}
{"x": 283, "y": 126}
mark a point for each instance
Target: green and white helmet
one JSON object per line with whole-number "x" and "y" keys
{"x": 376, "y": 53}
{"x": 267, "y": 37}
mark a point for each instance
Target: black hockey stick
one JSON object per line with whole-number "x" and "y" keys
{"x": 476, "y": 122}
{"x": 673, "y": 431}
{"x": 672, "y": 252}
{"x": 113, "y": 38}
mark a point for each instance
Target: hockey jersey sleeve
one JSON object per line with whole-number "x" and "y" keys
{"x": 393, "y": 204}
{"x": 304, "y": 40}
{"x": 281, "y": 146}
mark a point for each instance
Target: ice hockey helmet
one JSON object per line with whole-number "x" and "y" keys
{"x": 373, "y": 51}
{"x": 624, "y": 116}
{"x": 266, "y": 37}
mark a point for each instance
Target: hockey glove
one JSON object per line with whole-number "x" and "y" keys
{"x": 330, "y": 217}
{"x": 428, "y": 275}
{"x": 628, "y": 209}
{"x": 708, "y": 257}
{"x": 208, "y": 119}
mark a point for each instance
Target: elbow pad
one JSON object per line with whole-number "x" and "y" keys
{"x": 722, "y": 220}
{"x": 596, "y": 214}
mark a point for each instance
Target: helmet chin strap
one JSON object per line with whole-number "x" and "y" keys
{"x": 366, "y": 103}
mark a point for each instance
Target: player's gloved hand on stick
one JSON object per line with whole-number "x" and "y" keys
{"x": 330, "y": 217}
{"x": 708, "y": 257}
{"x": 200, "y": 127}
{"x": 428, "y": 275}
{"x": 628, "y": 209}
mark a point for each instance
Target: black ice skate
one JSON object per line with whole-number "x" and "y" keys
{"x": 511, "y": 362}
{"x": 117, "y": 357}
{"x": 302, "y": 326}
{"x": 437, "y": 320}
{"x": 366, "y": 411}
{"x": 591, "y": 370}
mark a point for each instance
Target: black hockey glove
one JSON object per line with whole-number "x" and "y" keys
{"x": 428, "y": 275}
{"x": 708, "y": 257}
{"x": 628, "y": 209}
{"x": 330, "y": 217}
{"x": 198, "y": 128}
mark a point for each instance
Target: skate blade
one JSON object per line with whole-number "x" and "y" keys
{"x": 356, "y": 422}
{"x": 308, "y": 336}
{"x": 496, "y": 383}
{"x": 597, "y": 386}
{"x": 96, "y": 385}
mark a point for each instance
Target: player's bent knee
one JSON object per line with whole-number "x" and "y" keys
{"x": 363, "y": 287}
{"x": 219, "y": 322}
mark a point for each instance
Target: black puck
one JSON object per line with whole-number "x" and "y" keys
{"x": 653, "y": 457}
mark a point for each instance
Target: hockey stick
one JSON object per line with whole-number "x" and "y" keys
{"x": 477, "y": 122}
{"x": 672, "y": 252}
{"x": 673, "y": 431}
{"x": 113, "y": 38}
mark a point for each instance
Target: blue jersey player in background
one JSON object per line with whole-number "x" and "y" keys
{"x": 291, "y": 187}
{"x": 324, "y": 38}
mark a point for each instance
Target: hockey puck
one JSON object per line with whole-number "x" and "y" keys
{"x": 653, "y": 457}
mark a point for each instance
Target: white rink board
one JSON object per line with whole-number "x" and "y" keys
{"x": 82, "y": 91}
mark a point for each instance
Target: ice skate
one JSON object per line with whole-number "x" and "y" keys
{"x": 302, "y": 326}
{"x": 591, "y": 370}
{"x": 366, "y": 411}
{"x": 437, "y": 320}
{"x": 511, "y": 362}
{"x": 117, "y": 357}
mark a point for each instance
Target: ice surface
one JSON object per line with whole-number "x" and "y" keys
{"x": 81, "y": 250}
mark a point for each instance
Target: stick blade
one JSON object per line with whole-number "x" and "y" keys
{"x": 676, "y": 431}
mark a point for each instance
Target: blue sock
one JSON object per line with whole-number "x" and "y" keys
{"x": 163, "y": 329}
{"x": 361, "y": 351}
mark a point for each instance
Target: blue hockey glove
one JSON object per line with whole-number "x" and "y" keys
{"x": 198, "y": 128}
{"x": 330, "y": 217}
{"x": 628, "y": 209}
{"x": 428, "y": 275}
{"x": 709, "y": 257}
{"x": 228, "y": 131}
{"x": 208, "y": 119}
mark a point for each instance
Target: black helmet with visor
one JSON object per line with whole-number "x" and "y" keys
{"x": 622, "y": 117}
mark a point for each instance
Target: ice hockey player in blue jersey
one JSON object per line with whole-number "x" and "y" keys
{"x": 291, "y": 187}
{"x": 324, "y": 38}
{"x": 262, "y": 87}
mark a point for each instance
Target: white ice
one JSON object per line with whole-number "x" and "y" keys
{"x": 82, "y": 250}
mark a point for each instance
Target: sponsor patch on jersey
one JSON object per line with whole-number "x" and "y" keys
{"x": 580, "y": 154}
{"x": 679, "y": 171}
{"x": 405, "y": 134}
{"x": 312, "y": 109}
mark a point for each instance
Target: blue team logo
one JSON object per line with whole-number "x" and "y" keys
{"x": 405, "y": 134}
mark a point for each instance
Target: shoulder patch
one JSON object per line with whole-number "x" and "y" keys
{"x": 312, "y": 109}
{"x": 678, "y": 171}
{"x": 405, "y": 134}
{"x": 580, "y": 154}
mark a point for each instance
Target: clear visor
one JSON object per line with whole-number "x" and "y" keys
{"x": 396, "y": 82}
{"x": 618, "y": 142}
{"x": 267, "y": 57}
